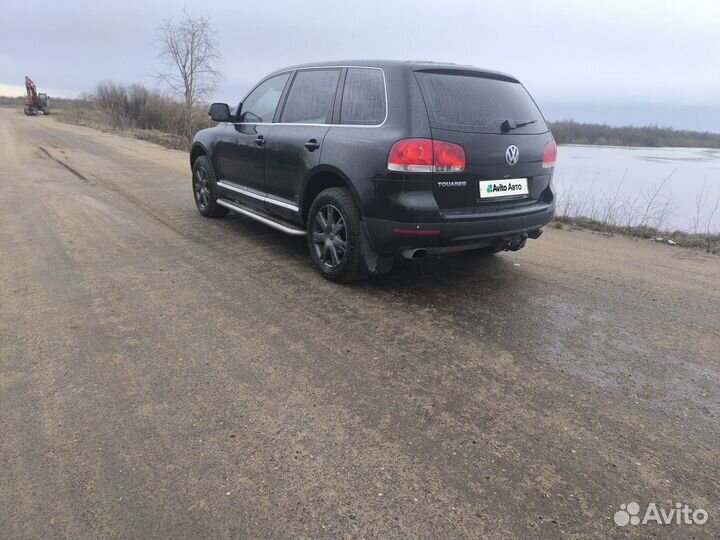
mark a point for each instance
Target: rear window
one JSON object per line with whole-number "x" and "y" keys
{"x": 363, "y": 101}
{"x": 310, "y": 100}
{"x": 469, "y": 102}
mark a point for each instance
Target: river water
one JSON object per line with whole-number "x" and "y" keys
{"x": 673, "y": 188}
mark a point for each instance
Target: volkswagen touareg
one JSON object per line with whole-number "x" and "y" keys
{"x": 374, "y": 159}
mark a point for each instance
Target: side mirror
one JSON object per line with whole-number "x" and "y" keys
{"x": 219, "y": 112}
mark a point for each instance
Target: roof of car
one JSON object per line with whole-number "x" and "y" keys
{"x": 389, "y": 64}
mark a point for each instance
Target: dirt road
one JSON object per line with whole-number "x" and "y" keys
{"x": 167, "y": 376}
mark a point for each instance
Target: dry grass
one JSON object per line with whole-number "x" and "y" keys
{"x": 710, "y": 243}
{"x": 135, "y": 111}
{"x": 90, "y": 114}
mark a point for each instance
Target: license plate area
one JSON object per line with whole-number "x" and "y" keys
{"x": 511, "y": 187}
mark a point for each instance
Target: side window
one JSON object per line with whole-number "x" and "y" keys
{"x": 260, "y": 105}
{"x": 363, "y": 101}
{"x": 310, "y": 99}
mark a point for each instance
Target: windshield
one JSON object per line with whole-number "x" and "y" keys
{"x": 476, "y": 103}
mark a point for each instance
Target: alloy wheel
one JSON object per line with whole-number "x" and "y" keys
{"x": 329, "y": 236}
{"x": 201, "y": 187}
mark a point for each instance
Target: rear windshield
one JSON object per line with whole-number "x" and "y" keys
{"x": 477, "y": 103}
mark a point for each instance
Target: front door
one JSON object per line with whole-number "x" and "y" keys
{"x": 240, "y": 155}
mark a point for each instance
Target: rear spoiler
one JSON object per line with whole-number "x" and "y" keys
{"x": 469, "y": 73}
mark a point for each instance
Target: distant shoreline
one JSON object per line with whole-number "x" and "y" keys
{"x": 627, "y": 147}
{"x": 571, "y": 132}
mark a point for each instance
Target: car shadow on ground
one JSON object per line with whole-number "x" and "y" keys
{"x": 459, "y": 276}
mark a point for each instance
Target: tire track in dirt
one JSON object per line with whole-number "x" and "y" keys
{"x": 68, "y": 167}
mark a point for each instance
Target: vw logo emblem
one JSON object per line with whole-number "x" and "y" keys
{"x": 512, "y": 154}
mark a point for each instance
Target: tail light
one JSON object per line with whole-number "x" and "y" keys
{"x": 426, "y": 155}
{"x": 448, "y": 157}
{"x": 549, "y": 155}
{"x": 411, "y": 155}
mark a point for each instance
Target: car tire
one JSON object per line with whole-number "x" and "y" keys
{"x": 204, "y": 187}
{"x": 334, "y": 235}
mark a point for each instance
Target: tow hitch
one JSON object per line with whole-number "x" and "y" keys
{"x": 518, "y": 242}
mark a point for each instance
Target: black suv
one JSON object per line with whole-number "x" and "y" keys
{"x": 371, "y": 159}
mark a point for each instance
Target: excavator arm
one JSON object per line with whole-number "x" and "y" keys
{"x": 32, "y": 98}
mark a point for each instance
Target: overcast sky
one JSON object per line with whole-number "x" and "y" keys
{"x": 626, "y": 61}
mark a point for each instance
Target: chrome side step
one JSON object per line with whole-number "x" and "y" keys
{"x": 270, "y": 221}
{"x": 264, "y": 198}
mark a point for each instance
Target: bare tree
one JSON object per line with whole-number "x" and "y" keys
{"x": 191, "y": 57}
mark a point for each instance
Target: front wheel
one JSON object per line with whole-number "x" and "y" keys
{"x": 205, "y": 189}
{"x": 333, "y": 236}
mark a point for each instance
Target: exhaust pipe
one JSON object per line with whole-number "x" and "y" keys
{"x": 512, "y": 243}
{"x": 535, "y": 234}
{"x": 418, "y": 253}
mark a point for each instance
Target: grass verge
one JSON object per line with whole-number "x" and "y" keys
{"x": 95, "y": 119}
{"x": 708, "y": 243}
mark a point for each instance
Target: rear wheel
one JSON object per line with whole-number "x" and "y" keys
{"x": 205, "y": 189}
{"x": 333, "y": 236}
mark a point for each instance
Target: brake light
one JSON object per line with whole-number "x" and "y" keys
{"x": 549, "y": 155}
{"x": 426, "y": 155}
{"x": 448, "y": 157}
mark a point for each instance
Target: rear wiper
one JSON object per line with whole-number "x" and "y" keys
{"x": 508, "y": 125}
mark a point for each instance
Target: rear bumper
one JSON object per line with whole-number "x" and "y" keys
{"x": 389, "y": 236}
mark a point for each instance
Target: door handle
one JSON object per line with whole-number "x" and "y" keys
{"x": 312, "y": 145}
{"x": 260, "y": 140}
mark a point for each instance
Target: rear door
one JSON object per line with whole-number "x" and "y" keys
{"x": 296, "y": 142}
{"x": 501, "y": 130}
{"x": 240, "y": 154}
